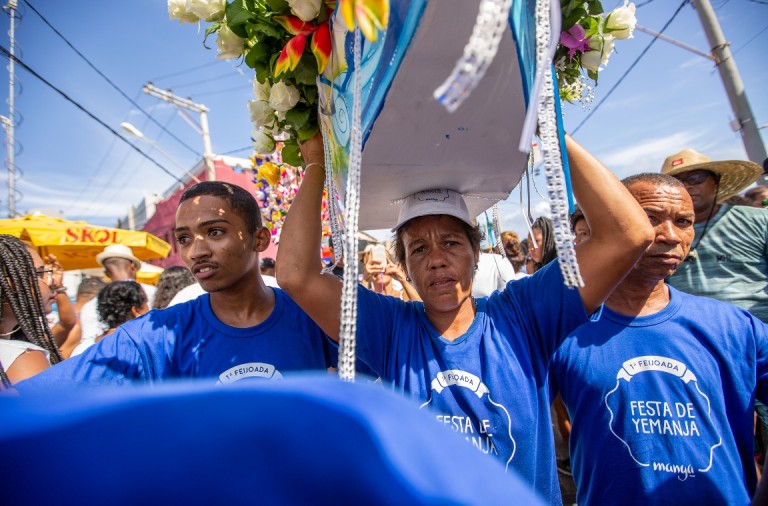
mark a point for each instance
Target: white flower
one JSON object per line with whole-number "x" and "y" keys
{"x": 621, "y": 21}
{"x": 305, "y": 10}
{"x": 261, "y": 113}
{"x": 230, "y": 45}
{"x": 261, "y": 91}
{"x": 208, "y": 10}
{"x": 602, "y": 47}
{"x": 177, "y": 9}
{"x": 263, "y": 144}
{"x": 283, "y": 97}
{"x": 572, "y": 91}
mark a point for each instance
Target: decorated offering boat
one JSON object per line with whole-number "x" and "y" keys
{"x": 413, "y": 95}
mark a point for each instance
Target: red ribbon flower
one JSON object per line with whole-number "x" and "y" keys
{"x": 291, "y": 54}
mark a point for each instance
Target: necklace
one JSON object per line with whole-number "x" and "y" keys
{"x": 692, "y": 255}
{"x": 11, "y": 332}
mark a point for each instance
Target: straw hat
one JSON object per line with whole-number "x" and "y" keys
{"x": 118, "y": 251}
{"x": 735, "y": 175}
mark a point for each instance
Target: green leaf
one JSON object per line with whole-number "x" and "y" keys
{"x": 323, "y": 15}
{"x": 238, "y": 16}
{"x": 595, "y": 7}
{"x": 212, "y": 28}
{"x": 308, "y": 131}
{"x": 309, "y": 92}
{"x": 297, "y": 117}
{"x": 573, "y": 18}
{"x": 593, "y": 26}
{"x": 262, "y": 72}
{"x": 278, "y": 5}
{"x": 291, "y": 153}
{"x": 306, "y": 71}
{"x": 259, "y": 53}
{"x": 268, "y": 29}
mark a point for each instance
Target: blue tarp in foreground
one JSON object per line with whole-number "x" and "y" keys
{"x": 306, "y": 440}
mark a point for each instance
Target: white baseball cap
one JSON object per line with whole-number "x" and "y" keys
{"x": 433, "y": 202}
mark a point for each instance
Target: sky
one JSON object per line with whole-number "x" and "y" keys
{"x": 671, "y": 99}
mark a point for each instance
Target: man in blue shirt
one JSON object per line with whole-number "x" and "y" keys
{"x": 661, "y": 387}
{"x": 240, "y": 329}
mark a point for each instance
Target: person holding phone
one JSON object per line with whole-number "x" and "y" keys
{"x": 382, "y": 275}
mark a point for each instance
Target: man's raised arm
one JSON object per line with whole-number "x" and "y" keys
{"x": 298, "y": 264}
{"x": 620, "y": 228}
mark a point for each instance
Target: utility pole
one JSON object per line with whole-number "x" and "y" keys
{"x": 10, "y": 122}
{"x": 184, "y": 103}
{"x": 734, "y": 87}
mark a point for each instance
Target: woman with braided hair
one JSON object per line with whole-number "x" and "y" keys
{"x": 27, "y": 345}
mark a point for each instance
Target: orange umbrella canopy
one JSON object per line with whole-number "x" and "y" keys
{"x": 76, "y": 243}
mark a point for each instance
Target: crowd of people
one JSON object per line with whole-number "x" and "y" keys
{"x": 653, "y": 371}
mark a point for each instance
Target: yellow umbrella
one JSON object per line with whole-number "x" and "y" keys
{"x": 76, "y": 243}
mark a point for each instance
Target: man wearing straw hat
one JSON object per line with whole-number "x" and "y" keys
{"x": 728, "y": 259}
{"x": 120, "y": 264}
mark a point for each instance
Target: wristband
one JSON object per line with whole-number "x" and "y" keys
{"x": 314, "y": 163}
{"x": 62, "y": 289}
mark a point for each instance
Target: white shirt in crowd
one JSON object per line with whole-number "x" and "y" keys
{"x": 493, "y": 273}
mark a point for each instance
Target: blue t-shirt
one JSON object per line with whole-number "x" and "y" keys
{"x": 188, "y": 341}
{"x": 490, "y": 384}
{"x": 662, "y": 406}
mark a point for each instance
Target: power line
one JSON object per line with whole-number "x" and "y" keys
{"x": 102, "y": 164}
{"x": 232, "y": 152}
{"x": 613, "y": 88}
{"x": 750, "y": 40}
{"x": 133, "y": 102}
{"x": 216, "y": 92}
{"x": 174, "y": 74}
{"x": 200, "y": 81}
{"x": 26, "y": 67}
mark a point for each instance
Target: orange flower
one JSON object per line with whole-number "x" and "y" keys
{"x": 321, "y": 46}
{"x": 293, "y": 25}
{"x": 291, "y": 54}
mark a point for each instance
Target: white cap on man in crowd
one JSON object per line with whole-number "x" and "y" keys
{"x": 118, "y": 251}
{"x": 433, "y": 202}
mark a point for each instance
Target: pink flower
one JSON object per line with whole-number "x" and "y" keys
{"x": 574, "y": 39}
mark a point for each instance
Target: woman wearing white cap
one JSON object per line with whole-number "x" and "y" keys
{"x": 480, "y": 365}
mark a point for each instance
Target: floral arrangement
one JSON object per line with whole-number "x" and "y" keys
{"x": 276, "y": 185}
{"x": 288, "y": 44}
{"x": 586, "y": 43}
